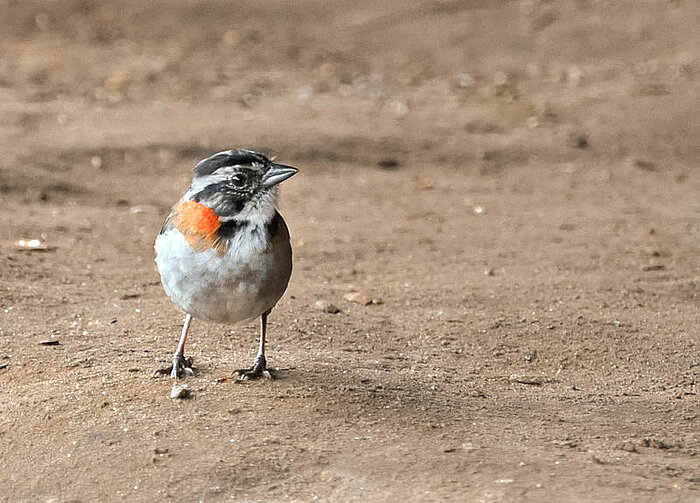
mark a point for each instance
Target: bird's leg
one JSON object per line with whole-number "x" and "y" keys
{"x": 181, "y": 366}
{"x": 258, "y": 369}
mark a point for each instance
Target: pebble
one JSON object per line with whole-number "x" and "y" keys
{"x": 424, "y": 184}
{"x": 362, "y": 299}
{"x": 465, "y": 80}
{"x": 180, "y": 392}
{"x": 573, "y": 74}
{"x": 326, "y": 307}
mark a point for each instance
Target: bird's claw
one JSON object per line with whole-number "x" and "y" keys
{"x": 257, "y": 371}
{"x": 180, "y": 368}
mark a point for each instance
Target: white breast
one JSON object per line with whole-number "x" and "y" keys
{"x": 239, "y": 286}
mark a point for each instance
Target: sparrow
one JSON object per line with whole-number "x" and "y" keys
{"x": 224, "y": 253}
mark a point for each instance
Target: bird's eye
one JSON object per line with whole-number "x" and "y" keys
{"x": 237, "y": 180}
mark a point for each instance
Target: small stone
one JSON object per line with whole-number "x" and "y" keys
{"x": 358, "y": 298}
{"x": 326, "y": 307}
{"x": 399, "y": 107}
{"x": 231, "y": 38}
{"x": 31, "y": 244}
{"x": 573, "y": 74}
{"x": 362, "y": 299}
{"x": 305, "y": 92}
{"x": 116, "y": 81}
{"x": 180, "y": 392}
{"x": 424, "y": 184}
{"x": 465, "y": 80}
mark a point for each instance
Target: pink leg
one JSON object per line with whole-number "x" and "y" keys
{"x": 258, "y": 369}
{"x": 181, "y": 365}
{"x": 185, "y": 329}
{"x": 263, "y": 334}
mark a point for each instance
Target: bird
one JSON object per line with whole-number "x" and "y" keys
{"x": 224, "y": 253}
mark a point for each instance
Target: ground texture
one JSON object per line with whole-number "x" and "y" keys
{"x": 517, "y": 181}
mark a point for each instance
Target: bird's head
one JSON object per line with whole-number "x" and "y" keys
{"x": 238, "y": 184}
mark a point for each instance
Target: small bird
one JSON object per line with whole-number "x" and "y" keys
{"x": 223, "y": 253}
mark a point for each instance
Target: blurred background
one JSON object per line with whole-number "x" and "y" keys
{"x": 464, "y": 83}
{"x": 496, "y": 232}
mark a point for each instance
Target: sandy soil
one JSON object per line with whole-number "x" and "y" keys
{"x": 517, "y": 181}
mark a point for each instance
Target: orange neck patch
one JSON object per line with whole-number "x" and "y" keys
{"x": 198, "y": 224}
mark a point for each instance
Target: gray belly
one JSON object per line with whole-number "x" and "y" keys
{"x": 236, "y": 287}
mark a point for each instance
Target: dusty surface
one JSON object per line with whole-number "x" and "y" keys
{"x": 517, "y": 181}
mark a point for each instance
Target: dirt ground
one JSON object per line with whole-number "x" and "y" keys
{"x": 516, "y": 180}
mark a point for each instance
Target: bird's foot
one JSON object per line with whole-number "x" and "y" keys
{"x": 257, "y": 371}
{"x": 180, "y": 368}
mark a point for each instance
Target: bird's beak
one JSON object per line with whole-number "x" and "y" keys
{"x": 278, "y": 173}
